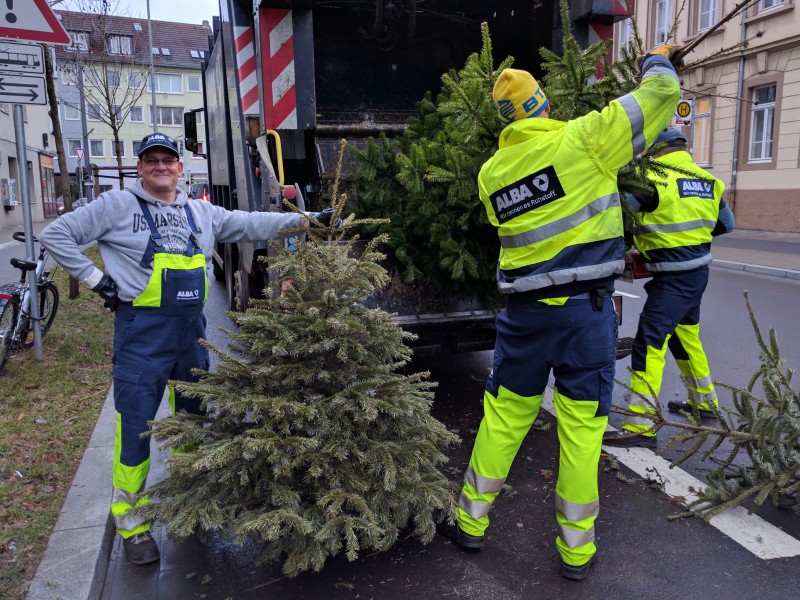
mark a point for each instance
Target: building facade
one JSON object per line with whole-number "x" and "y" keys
{"x": 743, "y": 83}
{"x": 112, "y": 56}
{"x": 38, "y": 170}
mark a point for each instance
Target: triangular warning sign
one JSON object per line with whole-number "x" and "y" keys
{"x": 31, "y": 20}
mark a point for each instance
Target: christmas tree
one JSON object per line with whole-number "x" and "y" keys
{"x": 426, "y": 182}
{"x": 313, "y": 441}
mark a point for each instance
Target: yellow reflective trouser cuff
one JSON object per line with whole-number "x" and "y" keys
{"x": 127, "y": 482}
{"x": 645, "y": 387}
{"x": 695, "y": 370}
{"x": 580, "y": 437}
{"x": 506, "y": 421}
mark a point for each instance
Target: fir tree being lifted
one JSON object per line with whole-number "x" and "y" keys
{"x": 314, "y": 442}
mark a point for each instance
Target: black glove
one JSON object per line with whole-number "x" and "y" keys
{"x": 107, "y": 289}
{"x": 325, "y": 217}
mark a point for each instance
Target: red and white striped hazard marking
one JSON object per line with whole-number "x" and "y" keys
{"x": 246, "y": 69}
{"x": 280, "y": 95}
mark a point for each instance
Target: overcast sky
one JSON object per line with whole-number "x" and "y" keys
{"x": 180, "y": 11}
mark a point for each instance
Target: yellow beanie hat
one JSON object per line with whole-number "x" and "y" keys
{"x": 517, "y": 95}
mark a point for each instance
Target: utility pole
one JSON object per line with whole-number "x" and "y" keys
{"x": 152, "y": 79}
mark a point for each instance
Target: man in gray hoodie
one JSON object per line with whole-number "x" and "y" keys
{"x": 155, "y": 243}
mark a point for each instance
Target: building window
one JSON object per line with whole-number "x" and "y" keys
{"x": 762, "y": 120}
{"x": 624, "y": 35}
{"x": 71, "y": 113}
{"x": 663, "y": 20}
{"x": 765, "y": 5}
{"x": 112, "y": 78}
{"x": 168, "y": 83}
{"x": 168, "y": 115}
{"x": 136, "y": 144}
{"x": 72, "y": 147}
{"x": 137, "y": 114}
{"x": 94, "y": 112}
{"x": 79, "y": 41}
{"x": 135, "y": 80}
{"x": 707, "y": 14}
{"x": 701, "y": 131}
{"x": 193, "y": 83}
{"x": 97, "y": 148}
{"x": 119, "y": 44}
{"x": 120, "y": 145}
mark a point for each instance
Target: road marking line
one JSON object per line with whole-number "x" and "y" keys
{"x": 8, "y": 245}
{"x": 750, "y": 531}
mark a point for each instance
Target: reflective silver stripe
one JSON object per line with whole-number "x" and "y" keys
{"x": 699, "y": 381}
{"x": 661, "y": 70}
{"x": 483, "y": 485}
{"x": 543, "y": 280}
{"x": 577, "y": 512}
{"x": 595, "y": 207}
{"x": 685, "y": 265}
{"x": 575, "y": 539}
{"x": 129, "y": 520}
{"x": 636, "y": 117}
{"x": 475, "y": 509}
{"x": 699, "y": 397}
{"x": 631, "y": 420}
{"x": 674, "y": 227}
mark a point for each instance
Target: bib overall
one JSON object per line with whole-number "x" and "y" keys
{"x": 155, "y": 340}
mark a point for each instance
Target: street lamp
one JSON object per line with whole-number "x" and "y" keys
{"x": 152, "y": 79}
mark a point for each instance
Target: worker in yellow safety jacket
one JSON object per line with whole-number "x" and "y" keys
{"x": 551, "y": 191}
{"x": 673, "y": 229}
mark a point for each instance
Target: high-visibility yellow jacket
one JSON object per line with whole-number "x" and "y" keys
{"x": 676, "y": 236}
{"x": 551, "y": 190}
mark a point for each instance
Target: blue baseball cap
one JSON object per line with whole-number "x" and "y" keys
{"x": 158, "y": 140}
{"x": 673, "y": 138}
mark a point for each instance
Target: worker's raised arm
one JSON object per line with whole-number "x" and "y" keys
{"x": 629, "y": 124}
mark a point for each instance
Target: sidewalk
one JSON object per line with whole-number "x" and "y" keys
{"x": 84, "y": 559}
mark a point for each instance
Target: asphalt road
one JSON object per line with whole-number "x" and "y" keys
{"x": 641, "y": 552}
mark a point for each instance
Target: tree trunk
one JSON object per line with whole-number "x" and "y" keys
{"x": 63, "y": 170}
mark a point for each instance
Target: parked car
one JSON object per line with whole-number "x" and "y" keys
{"x": 199, "y": 191}
{"x": 76, "y": 204}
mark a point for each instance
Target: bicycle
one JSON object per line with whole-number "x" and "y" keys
{"x": 16, "y": 324}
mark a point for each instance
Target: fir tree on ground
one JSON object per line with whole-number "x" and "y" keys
{"x": 314, "y": 442}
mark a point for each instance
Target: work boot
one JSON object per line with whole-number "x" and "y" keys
{"x": 678, "y": 407}
{"x": 576, "y": 573}
{"x": 463, "y": 539}
{"x": 140, "y": 549}
{"x": 626, "y": 439}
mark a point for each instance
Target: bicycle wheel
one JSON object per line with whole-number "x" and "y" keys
{"x": 48, "y": 305}
{"x": 8, "y": 317}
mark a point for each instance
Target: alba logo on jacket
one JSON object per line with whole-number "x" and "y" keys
{"x": 188, "y": 294}
{"x": 526, "y": 194}
{"x": 696, "y": 188}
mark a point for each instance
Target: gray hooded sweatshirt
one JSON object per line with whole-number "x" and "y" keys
{"x": 116, "y": 222}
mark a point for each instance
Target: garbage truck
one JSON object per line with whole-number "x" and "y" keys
{"x": 285, "y": 80}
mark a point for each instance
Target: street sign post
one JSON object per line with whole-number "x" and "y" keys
{"x": 683, "y": 113}
{"x": 79, "y": 154}
{"x": 32, "y": 20}
{"x": 21, "y": 89}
